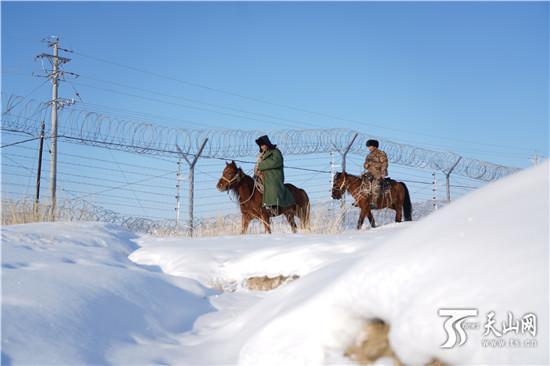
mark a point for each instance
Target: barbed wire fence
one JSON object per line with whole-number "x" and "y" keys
{"x": 151, "y": 194}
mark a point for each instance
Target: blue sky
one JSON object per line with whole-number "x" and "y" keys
{"x": 467, "y": 77}
{"x": 463, "y": 71}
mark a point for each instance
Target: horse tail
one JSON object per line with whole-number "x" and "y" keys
{"x": 407, "y": 206}
{"x": 304, "y": 211}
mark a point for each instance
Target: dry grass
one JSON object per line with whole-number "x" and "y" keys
{"x": 325, "y": 218}
{"x": 265, "y": 283}
{"x": 372, "y": 343}
{"x": 25, "y": 211}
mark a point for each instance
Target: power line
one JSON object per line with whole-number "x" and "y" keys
{"x": 107, "y": 161}
{"x": 126, "y": 181}
{"x": 24, "y": 97}
{"x": 153, "y": 100}
{"x": 304, "y": 123}
{"x": 193, "y": 107}
{"x": 499, "y": 153}
{"x": 110, "y": 196}
{"x": 20, "y": 142}
{"x": 263, "y": 101}
{"x": 65, "y": 174}
{"x": 80, "y": 165}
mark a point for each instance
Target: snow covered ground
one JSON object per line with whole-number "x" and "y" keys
{"x": 95, "y": 294}
{"x": 71, "y": 296}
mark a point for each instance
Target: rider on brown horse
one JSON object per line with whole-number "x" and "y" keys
{"x": 376, "y": 164}
{"x": 269, "y": 168}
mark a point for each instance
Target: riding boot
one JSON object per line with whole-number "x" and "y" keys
{"x": 375, "y": 193}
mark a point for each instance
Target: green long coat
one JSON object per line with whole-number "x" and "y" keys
{"x": 275, "y": 191}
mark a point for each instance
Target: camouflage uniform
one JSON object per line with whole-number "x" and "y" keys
{"x": 376, "y": 165}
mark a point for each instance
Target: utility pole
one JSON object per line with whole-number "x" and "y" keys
{"x": 191, "y": 182}
{"x": 53, "y": 160}
{"x": 56, "y": 74}
{"x": 39, "y": 173}
{"x": 535, "y": 159}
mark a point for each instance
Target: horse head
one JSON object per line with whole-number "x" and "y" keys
{"x": 339, "y": 185}
{"x": 230, "y": 176}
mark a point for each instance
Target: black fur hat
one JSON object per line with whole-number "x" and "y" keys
{"x": 264, "y": 140}
{"x": 373, "y": 143}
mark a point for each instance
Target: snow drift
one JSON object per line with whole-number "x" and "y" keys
{"x": 71, "y": 296}
{"x": 488, "y": 251}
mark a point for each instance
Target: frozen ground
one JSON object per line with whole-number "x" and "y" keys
{"x": 95, "y": 294}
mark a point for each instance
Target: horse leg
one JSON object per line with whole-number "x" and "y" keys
{"x": 245, "y": 221}
{"x": 398, "y": 213}
{"x": 362, "y": 215}
{"x": 266, "y": 218}
{"x": 291, "y": 221}
{"x": 371, "y": 218}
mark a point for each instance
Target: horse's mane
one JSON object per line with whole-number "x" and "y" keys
{"x": 351, "y": 175}
{"x": 234, "y": 190}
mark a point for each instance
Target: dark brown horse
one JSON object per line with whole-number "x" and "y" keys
{"x": 234, "y": 180}
{"x": 397, "y": 198}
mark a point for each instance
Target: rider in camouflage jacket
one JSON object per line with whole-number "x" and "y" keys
{"x": 376, "y": 164}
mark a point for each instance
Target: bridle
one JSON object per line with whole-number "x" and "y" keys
{"x": 236, "y": 178}
{"x": 343, "y": 185}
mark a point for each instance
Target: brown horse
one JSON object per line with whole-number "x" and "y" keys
{"x": 398, "y": 197}
{"x": 234, "y": 180}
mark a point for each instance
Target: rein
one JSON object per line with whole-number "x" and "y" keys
{"x": 343, "y": 184}
{"x": 237, "y": 179}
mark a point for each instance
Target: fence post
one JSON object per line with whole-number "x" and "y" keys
{"x": 434, "y": 191}
{"x": 191, "y": 181}
{"x": 344, "y": 154}
{"x": 333, "y": 169}
{"x": 448, "y": 179}
{"x": 346, "y": 151}
{"x": 178, "y": 189}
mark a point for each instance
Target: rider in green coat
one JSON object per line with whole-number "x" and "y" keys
{"x": 270, "y": 168}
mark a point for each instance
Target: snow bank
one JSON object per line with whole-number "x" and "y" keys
{"x": 228, "y": 261}
{"x": 70, "y": 296}
{"x": 487, "y": 251}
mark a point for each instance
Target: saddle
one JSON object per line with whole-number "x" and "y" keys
{"x": 367, "y": 181}
{"x": 386, "y": 184}
{"x": 367, "y": 188}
